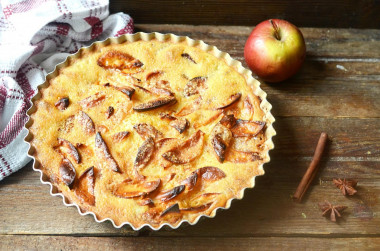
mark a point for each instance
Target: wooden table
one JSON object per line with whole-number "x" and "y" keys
{"x": 337, "y": 91}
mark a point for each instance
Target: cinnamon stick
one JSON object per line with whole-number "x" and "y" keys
{"x": 312, "y": 170}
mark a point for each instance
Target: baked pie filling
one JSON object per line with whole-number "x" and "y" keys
{"x": 149, "y": 132}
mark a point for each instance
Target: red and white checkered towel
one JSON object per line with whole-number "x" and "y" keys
{"x": 35, "y": 35}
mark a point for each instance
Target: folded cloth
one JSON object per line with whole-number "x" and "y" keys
{"x": 35, "y": 35}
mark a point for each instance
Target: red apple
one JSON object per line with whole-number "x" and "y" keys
{"x": 275, "y": 50}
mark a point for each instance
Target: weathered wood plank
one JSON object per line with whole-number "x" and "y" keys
{"x": 324, "y": 98}
{"x": 297, "y": 137}
{"x": 68, "y": 243}
{"x": 322, "y": 13}
{"x": 330, "y": 43}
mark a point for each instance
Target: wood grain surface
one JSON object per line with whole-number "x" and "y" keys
{"x": 322, "y": 13}
{"x": 337, "y": 91}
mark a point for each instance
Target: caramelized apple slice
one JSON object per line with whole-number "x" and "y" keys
{"x": 228, "y": 121}
{"x": 92, "y": 100}
{"x": 197, "y": 209}
{"x": 246, "y": 128}
{"x": 187, "y": 56}
{"x": 67, "y": 149}
{"x": 168, "y": 178}
{"x": 146, "y": 202}
{"x": 67, "y": 172}
{"x": 221, "y": 138}
{"x": 109, "y": 112}
{"x": 129, "y": 91}
{"x": 210, "y": 173}
{"x": 146, "y": 130}
{"x": 135, "y": 188}
{"x": 162, "y": 146}
{"x": 171, "y": 209}
{"x": 191, "y": 181}
{"x": 62, "y": 104}
{"x": 180, "y": 124}
{"x": 120, "y": 136}
{"x": 171, "y": 194}
{"x": 120, "y": 61}
{"x": 103, "y": 154}
{"x": 241, "y": 157}
{"x": 195, "y": 86}
{"x": 190, "y": 108}
{"x": 86, "y": 122}
{"x": 84, "y": 189}
{"x": 248, "y": 111}
{"x": 187, "y": 150}
{"x": 153, "y": 75}
{"x": 155, "y": 103}
{"x": 134, "y": 67}
{"x": 220, "y": 147}
{"x": 167, "y": 116}
{"x": 155, "y": 90}
{"x": 144, "y": 153}
{"x": 230, "y": 101}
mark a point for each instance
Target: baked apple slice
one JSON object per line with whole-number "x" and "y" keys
{"x": 127, "y": 90}
{"x": 146, "y": 130}
{"x": 248, "y": 110}
{"x": 144, "y": 153}
{"x": 62, "y": 103}
{"x": 228, "y": 121}
{"x": 180, "y": 124}
{"x": 187, "y": 150}
{"x": 103, "y": 154}
{"x": 86, "y": 122}
{"x": 196, "y": 209}
{"x": 154, "y": 90}
{"x": 136, "y": 188}
{"x": 246, "y": 128}
{"x": 171, "y": 194}
{"x": 162, "y": 146}
{"x": 155, "y": 103}
{"x": 153, "y": 75}
{"x": 146, "y": 202}
{"x": 195, "y": 86}
{"x": 221, "y": 138}
{"x": 110, "y": 111}
{"x": 188, "y": 57}
{"x": 190, "y": 108}
{"x": 67, "y": 172}
{"x": 120, "y": 61}
{"x": 191, "y": 181}
{"x": 171, "y": 209}
{"x": 241, "y": 157}
{"x": 210, "y": 173}
{"x": 68, "y": 150}
{"x": 92, "y": 100}
{"x": 120, "y": 136}
{"x": 230, "y": 101}
{"x": 84, "y": 188}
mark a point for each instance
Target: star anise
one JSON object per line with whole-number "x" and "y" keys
{"x": 334, "y": 211}
{"x": 346, "y": 186}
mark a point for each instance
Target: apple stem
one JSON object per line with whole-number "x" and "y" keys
{"x": 276, "y": 29}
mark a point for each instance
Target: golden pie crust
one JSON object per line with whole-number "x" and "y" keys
{"x": 150, "y": 130}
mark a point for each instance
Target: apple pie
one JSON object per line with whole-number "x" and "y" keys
{"x": 149, "y": 132}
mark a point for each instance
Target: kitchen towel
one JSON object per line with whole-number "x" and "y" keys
{"x": 35, "y": 35}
